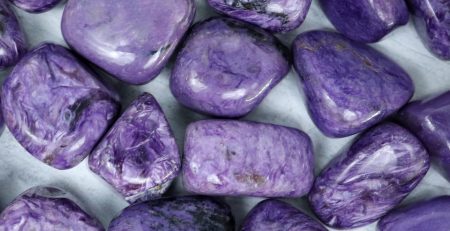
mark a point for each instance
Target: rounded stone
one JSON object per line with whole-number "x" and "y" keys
{"x": 12, "y": 39}
{"x": 35, "y": 6}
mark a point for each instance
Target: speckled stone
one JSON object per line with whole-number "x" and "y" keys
{"x": 138, "y": 156}
{"x": 273, "y": 15}
{"x": 35, "y": 6}
{"x": 432, "y": 215}
{"x": 45, "y": 209}
{"x": 133, "y": 42}
{"x": 366, "y": 20}
{"x": 227, "y": 67}
{"x": 189, "y": 213}
{"x": 349, "y": 86}
{"x": 12, "y": 38}
{"x": 238, "y": 158}
{"x": 373, "y": 176}
{"x": 277, "y": 215}
{"x": 55, "y": 107}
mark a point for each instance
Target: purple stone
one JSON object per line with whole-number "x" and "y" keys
{"x": 349, "y": 86}
{"x": 44, "y": 209}
{"x": 138, "y": 156}
{"x": 55, "y": 107}
{"x": 366, "y": 20}
{"x": 238, "y": 158}
{"x": 273, "y": 15}
{"x": 189, "y": 213}
{"x": 35, "y": 6}
{"x": 432, "y": 215}
{"x": 132, "y": 41}
{"x": 12, "y": 39}
{"x": 277, "y": 215}
{"x": 227, "y": 67}
{"x": 373, "y": 176}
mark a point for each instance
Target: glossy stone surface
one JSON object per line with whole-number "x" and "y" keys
{"x": 426, "y": 215}
{"x": 273, "y": 15}
{"x": 432, "y": 20}
{"x": 238, "y": 158}
{"x": 189, "y": 213}
{"x": 133, "y": 42}
{"x": 366, "y": 20}
{"x": 138, "y": 156}
{"x": 12, "y": 39}
{"x": 55, "y": 107}
{"x": 35, "y": 6}
{"x": 227, "y": 67}
{"x": 277, "y": 215}
{"x": 373, "y": 176}
{"x": 349, "y": 86}
{"x": 44, "y": 209}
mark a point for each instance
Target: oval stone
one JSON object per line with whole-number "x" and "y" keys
{"x": 12, "y": 39}
{"x": 133, "y": 42}
{"x": 349, "y": 86}
{"x": 373, "y": 176}
{"x": 35, "y": 6}
{"x": 227, "y": 67}
{"x": 55, "y": 107}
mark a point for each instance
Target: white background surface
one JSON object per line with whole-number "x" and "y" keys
{"x": 284, "y": 105}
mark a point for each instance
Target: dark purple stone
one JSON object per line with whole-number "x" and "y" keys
{"x": 12, "y": 39}
{"x": 35, "y": 6}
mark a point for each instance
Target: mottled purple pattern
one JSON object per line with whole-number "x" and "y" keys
{"x": 187, "y": 213}
{"x": 55, "y": 107}
{"x": 277, "y": 216}
{"x": 35, "y": 6}
{"x": 349, "y": 86}
{"x": 273, "y": 15}
{"x": 45, "y": 209}
{"x": 12, "y": 39}
{"x": 138, "y": 156}
{"x": 432, "y": 215}
{"x": 366, "y": 20}
{"x": 227, "y": 67}
{"x": 132, "y": 41}
{"x": 432, "y": 20}
{"x": 373, "y": 176}
{"x": 235, "y": 158}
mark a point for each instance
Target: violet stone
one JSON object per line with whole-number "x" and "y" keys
{"x": 227, "y": 67}
{"x": 373, "y": 176}
{"x": 430, "y": 215}
{"x": 138, "y": 156}
{"x": 35, "y": 6}
{"x": 188, "y": 213}
{"x": 349, "y": 86}
{"x": 55, "y": 107}
{"x": 12, "y": 39}
{"x": 277, "y": 215}
{"x": 44, "y": 209}
{"x": 366, "y": 20}
{"x": 238, "y": 158}
{"x": 134, "y": 41}
{"x": 273, "y": 15}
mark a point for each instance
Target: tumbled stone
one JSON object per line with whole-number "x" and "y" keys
{"x": 55, "y": 107}
{"x": 277, "y": 215}
{"x": 138, "y": 156}
{"x": 366, "y": 20}
{"x": 35, "y": 6}
{"x": 238, "y": 158}
{"x": 349, "y": 86}
{"x": 12, "y": 39}
{"x": 373, "y": 176}
{"x": 227, "y": 67}
{"x": 189, "y": 213}
{"x": 133, "y": 42}
{"x": 273, "y": 15}
{"x": 44, "y": 209}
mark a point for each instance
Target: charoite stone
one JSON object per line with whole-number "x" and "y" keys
{"x": 430, "y": 215}
{"x": 373, "y": 176}
{"x": 349, "y": 86}
{"x": 131, "y": 41}
{"x": 138, "y": 156}
{"x": 366, "y": 20}
{"x": 35, "y": 6}
{"x": 238, "y": 158}
{"x": 55, "y": 107}
{"x": 44, "y": 209}
{"x": 273, "y": 15}
{"x": 12, "y": 39}
{"x": 227, "y": 67}
{"x": 277, "y": 215}
{"x": 188, "y": 213}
